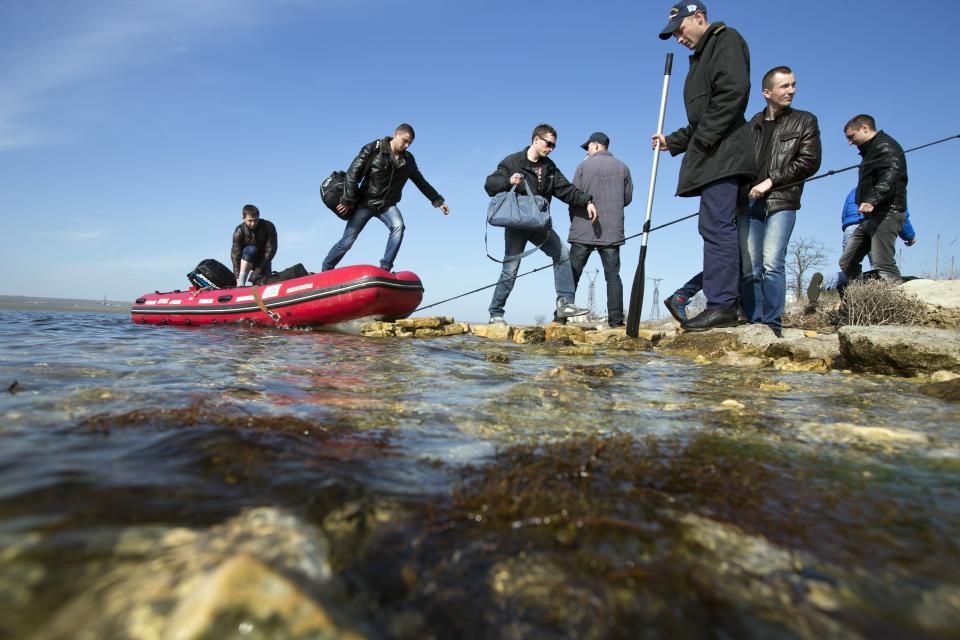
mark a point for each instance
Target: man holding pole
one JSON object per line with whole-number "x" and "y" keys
{"x": 718, "y": 151}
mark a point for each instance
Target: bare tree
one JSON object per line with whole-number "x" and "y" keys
{"x": 540, "y": 319}
{"x": 804, "y": 255}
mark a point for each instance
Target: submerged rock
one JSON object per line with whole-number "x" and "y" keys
{"x": 948, "y": 390}
{"x": 264, "y": 569}
{"x": 902, "y": 351}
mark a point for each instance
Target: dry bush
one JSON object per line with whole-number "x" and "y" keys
{"x": 826, "y": 319}
{"x": 878, "y": 302}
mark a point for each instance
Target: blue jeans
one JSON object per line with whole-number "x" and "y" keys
{"x": 763, "y": 257}
{"x": 391, "y": 218}
{"x": 610, "y": 259}
{"x": 514, "y": 241}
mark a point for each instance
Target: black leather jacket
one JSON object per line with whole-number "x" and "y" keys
{"x": 794, "y": 155}
{"x": 264, "y": 236}
{"x": 550, "y": 182}
{"x": 383, "y": 185}
{"x": 883, "y": 175}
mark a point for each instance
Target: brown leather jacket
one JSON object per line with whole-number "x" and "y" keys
{"x": 795, "y": 155}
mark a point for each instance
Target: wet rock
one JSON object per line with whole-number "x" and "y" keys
{"x": 593, "y": 371}
{"x": 379, "y": 334}
{"x": 500, "y": 358}
{"x": 825, "y": 348}
{"x": 737, "y": 359}
{"x": 529, "y": 335}
{"x": 903, "y": 351}
{"x": 944, "y": 376}
{"x": 368, "y": 327}
{"x": 603, "y": 335}
{"x": 949, "y": 390}
{"x": 811, "y": 366}
{"x": 847, "y": 433}
{"x": 264, "y": 568}
{"x": 942, "y": 299}
{"x": 576, "y": 351}
{"x": 424, "y": 323}
{"x": 265, "y": 598}
{"x": 528, "y": 581}
{"x": 713, "y": 343}
{"x": 429, "y": 333}
{"x": 562, "y": 341}
{"x": 626, "y": 343}
{"x": 493, "y": 331}
{"x": 456, "y": 329}
{"x": 555, "y": 331}
{"x": 732, "y": 404}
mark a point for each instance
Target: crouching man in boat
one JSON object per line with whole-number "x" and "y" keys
{"x": 374, "y": 186}
{"x": 254, "y": 247}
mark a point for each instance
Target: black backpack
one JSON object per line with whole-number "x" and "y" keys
{"x": 331, "y": 189}
{"x": 296, "y": 271}
{"x": 211, "y": 274}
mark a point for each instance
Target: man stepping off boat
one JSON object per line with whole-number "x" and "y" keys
{"x": 373, "y": 187}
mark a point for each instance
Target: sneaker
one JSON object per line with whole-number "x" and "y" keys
{"x": 676, "y": 305}
{"x": 813, "y": 292}
{"x": 567, "y": 310}
{"x": 497, "y": 320}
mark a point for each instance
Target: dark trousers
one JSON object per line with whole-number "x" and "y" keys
{"x": 721, "y": 243}
{"x": 610, "y": 258}
{"x": 876, "y": 236}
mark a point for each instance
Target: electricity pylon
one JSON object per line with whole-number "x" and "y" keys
{"x": 655, "y": 308}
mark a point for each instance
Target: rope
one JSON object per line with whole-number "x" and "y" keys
{"x": 826, "y": 174}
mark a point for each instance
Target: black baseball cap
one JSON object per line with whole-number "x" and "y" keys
{"x": 678, "y": 12}
{"x": 596, "y": 136}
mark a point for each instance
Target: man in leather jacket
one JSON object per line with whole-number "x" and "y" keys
{"x": 716, "y": 147}
{"x": 532, "y": 166}
{"x": 374, "y": 186}
{"x": 881, "y": 197}
{"x": 786, "y": 144}
{"x": 254, "y": 247}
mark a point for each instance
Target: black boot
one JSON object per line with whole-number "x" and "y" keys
{"x": 813, "y": 293}
{"x": 712, "y": 319}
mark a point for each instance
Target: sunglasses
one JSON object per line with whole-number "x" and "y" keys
{"x": 550, "y": 145}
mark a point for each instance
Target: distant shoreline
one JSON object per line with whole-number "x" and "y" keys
{"x": 30, "y": 303}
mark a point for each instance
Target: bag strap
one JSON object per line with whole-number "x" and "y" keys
{"x": 518, "y": 256}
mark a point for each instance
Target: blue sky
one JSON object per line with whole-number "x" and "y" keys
{"x": 132, "y": 133}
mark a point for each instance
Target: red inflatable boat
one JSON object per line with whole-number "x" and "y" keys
{"x": 319, "y": 299}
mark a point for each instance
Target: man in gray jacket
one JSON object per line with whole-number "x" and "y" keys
{"x": 608, "y": 181}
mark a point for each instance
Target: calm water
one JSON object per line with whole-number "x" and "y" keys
{"x": 458, "y": 488}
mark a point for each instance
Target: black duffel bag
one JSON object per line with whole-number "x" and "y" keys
{"x": 331, "y": 189}
{"x": 211, "y": 274}
{"x": 296, "y": 271}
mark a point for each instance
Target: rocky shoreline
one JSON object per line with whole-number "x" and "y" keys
{"x": 928, "y": 354}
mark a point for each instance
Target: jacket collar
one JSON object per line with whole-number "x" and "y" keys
{"x": 758, "y": 119}
{"x": 864, "y": 149}
{"x": 715, "y": 28}
{"x": 385, "y": 148}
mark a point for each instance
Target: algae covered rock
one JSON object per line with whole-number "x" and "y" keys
{"x": 529, "y": 335}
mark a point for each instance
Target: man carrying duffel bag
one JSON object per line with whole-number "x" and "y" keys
{"x": 372, "y": 188}
{"x": 532, "y": 167}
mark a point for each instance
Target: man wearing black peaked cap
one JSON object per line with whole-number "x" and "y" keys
{"x": 718, "y": 152}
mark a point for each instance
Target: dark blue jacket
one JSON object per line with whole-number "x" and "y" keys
{"x": 851, "y": 215}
